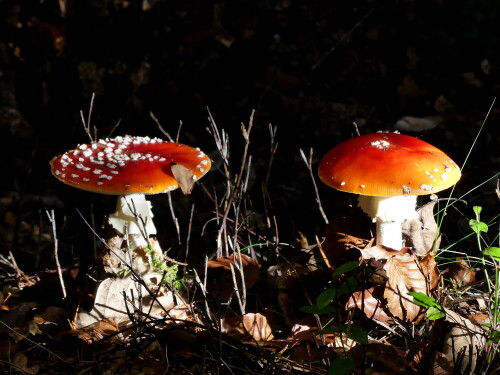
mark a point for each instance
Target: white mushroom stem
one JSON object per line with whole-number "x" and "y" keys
{"x": 389, "y": 213}
{"x": 134, "y": 217}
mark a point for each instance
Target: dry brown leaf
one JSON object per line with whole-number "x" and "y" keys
{"x": 250, "y": 328}
{"x": 380, "y": 252}
{"x": 96, "y": 331}
{"x": 465, "y": 339}
{"x": 404, "y": 275}
{"x": 460, "y": 273}
{"x": 220, "y": 276}
{"x": 370, "y": 302}
{"x": 420, "y": 234}
{"x": 184, "y": 177}
{"x": 110, "y": 300}
{"x": 305, "y": 342}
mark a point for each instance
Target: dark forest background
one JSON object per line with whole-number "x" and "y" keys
{"x": 309, "y": 68}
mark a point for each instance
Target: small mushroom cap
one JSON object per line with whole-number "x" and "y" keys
{"x": 386, "y": 165}
{"x": 128, "y": 165}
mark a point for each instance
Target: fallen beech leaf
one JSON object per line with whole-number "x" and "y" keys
{"x": 305, "y": 341}
{"x": 110, "y": 300}
{"x": 465, "y": 340}
{"x": 250, "y": 328}
{"x": 404, "y": 275}
{"x": 380, "y": 252}
{"x": 184, "y": 177}
{"x": 220, "y": 276}
{"x": 96, "y": 331}
{"x": 370, "y": 302}
{"x": 460, "y": 273}
{"x": 420, "y": 234}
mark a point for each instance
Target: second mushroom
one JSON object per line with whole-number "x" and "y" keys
{"x": 388, "y": 171}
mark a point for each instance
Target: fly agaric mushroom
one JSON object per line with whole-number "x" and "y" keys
{"x": 388, "y": 171}
{"x": 131, "y": 167}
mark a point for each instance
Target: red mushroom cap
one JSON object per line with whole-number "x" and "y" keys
{"x": 386, "y": 165}
{"x": 128, "y": 165}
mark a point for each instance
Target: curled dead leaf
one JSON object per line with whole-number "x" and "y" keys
{"x": 422, "y": 234}
{"x": 460, "y": 273}
{"x": 96, "y": 331}
{"x": 405, "y": 272}
{"x": 184, "y": 177}
{"x": 220, "y": 274}
{"x": 115, "y": 297}
{"x": 371, "y": 302}
{"x": 464, "y": 340}
{"x": 250, "y": 328}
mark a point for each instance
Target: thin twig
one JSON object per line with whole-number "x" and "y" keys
{"x": 166, "y": 133}
{"x": 174, "y": 218}
{"x": 52, "y": 220}
{"x": 309, "y": 167}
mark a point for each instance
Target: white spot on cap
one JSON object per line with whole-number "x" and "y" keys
{"x": 342, "y": 183}
{"x": 426, "y": 187}
{"x": 406, "y": 189}
{"x": 85, "y": 179}
{"x": 362, "y": 186}
{"x": 73, "y": 175}
{"x": 444, "y": 177}
{"x": 380, "y": 144}
{"x": 97, "y": 171}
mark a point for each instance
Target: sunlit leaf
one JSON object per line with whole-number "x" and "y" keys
{"x": 422, "y": 299}
{"x": 478, "y": 226}
{"x": 493, "y": 252}
{"x": 435, "y": 312}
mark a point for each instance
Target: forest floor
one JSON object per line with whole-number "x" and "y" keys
{"x": 262, "y": 269}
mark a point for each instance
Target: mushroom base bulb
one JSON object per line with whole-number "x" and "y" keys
{"x": 134, "y": 217}
{"x": 389, "y": 213}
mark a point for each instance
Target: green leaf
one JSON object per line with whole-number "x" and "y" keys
{"x": 348, "y": 286}
{"x": 435, "y": 312}
{"x": 341, "y": 366}
{"x": 314, "y": 309}
{"x": 353, "y": 332}
{"x": 493, "y": 252}
{"x": 326, "y": 297}
{"x": 478, "y": 226}
{"x": 494, "y": 337}
{"x": 346, "y": 267}
{"x": 477, "y": 210}
{"x": 423, "y": 300}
